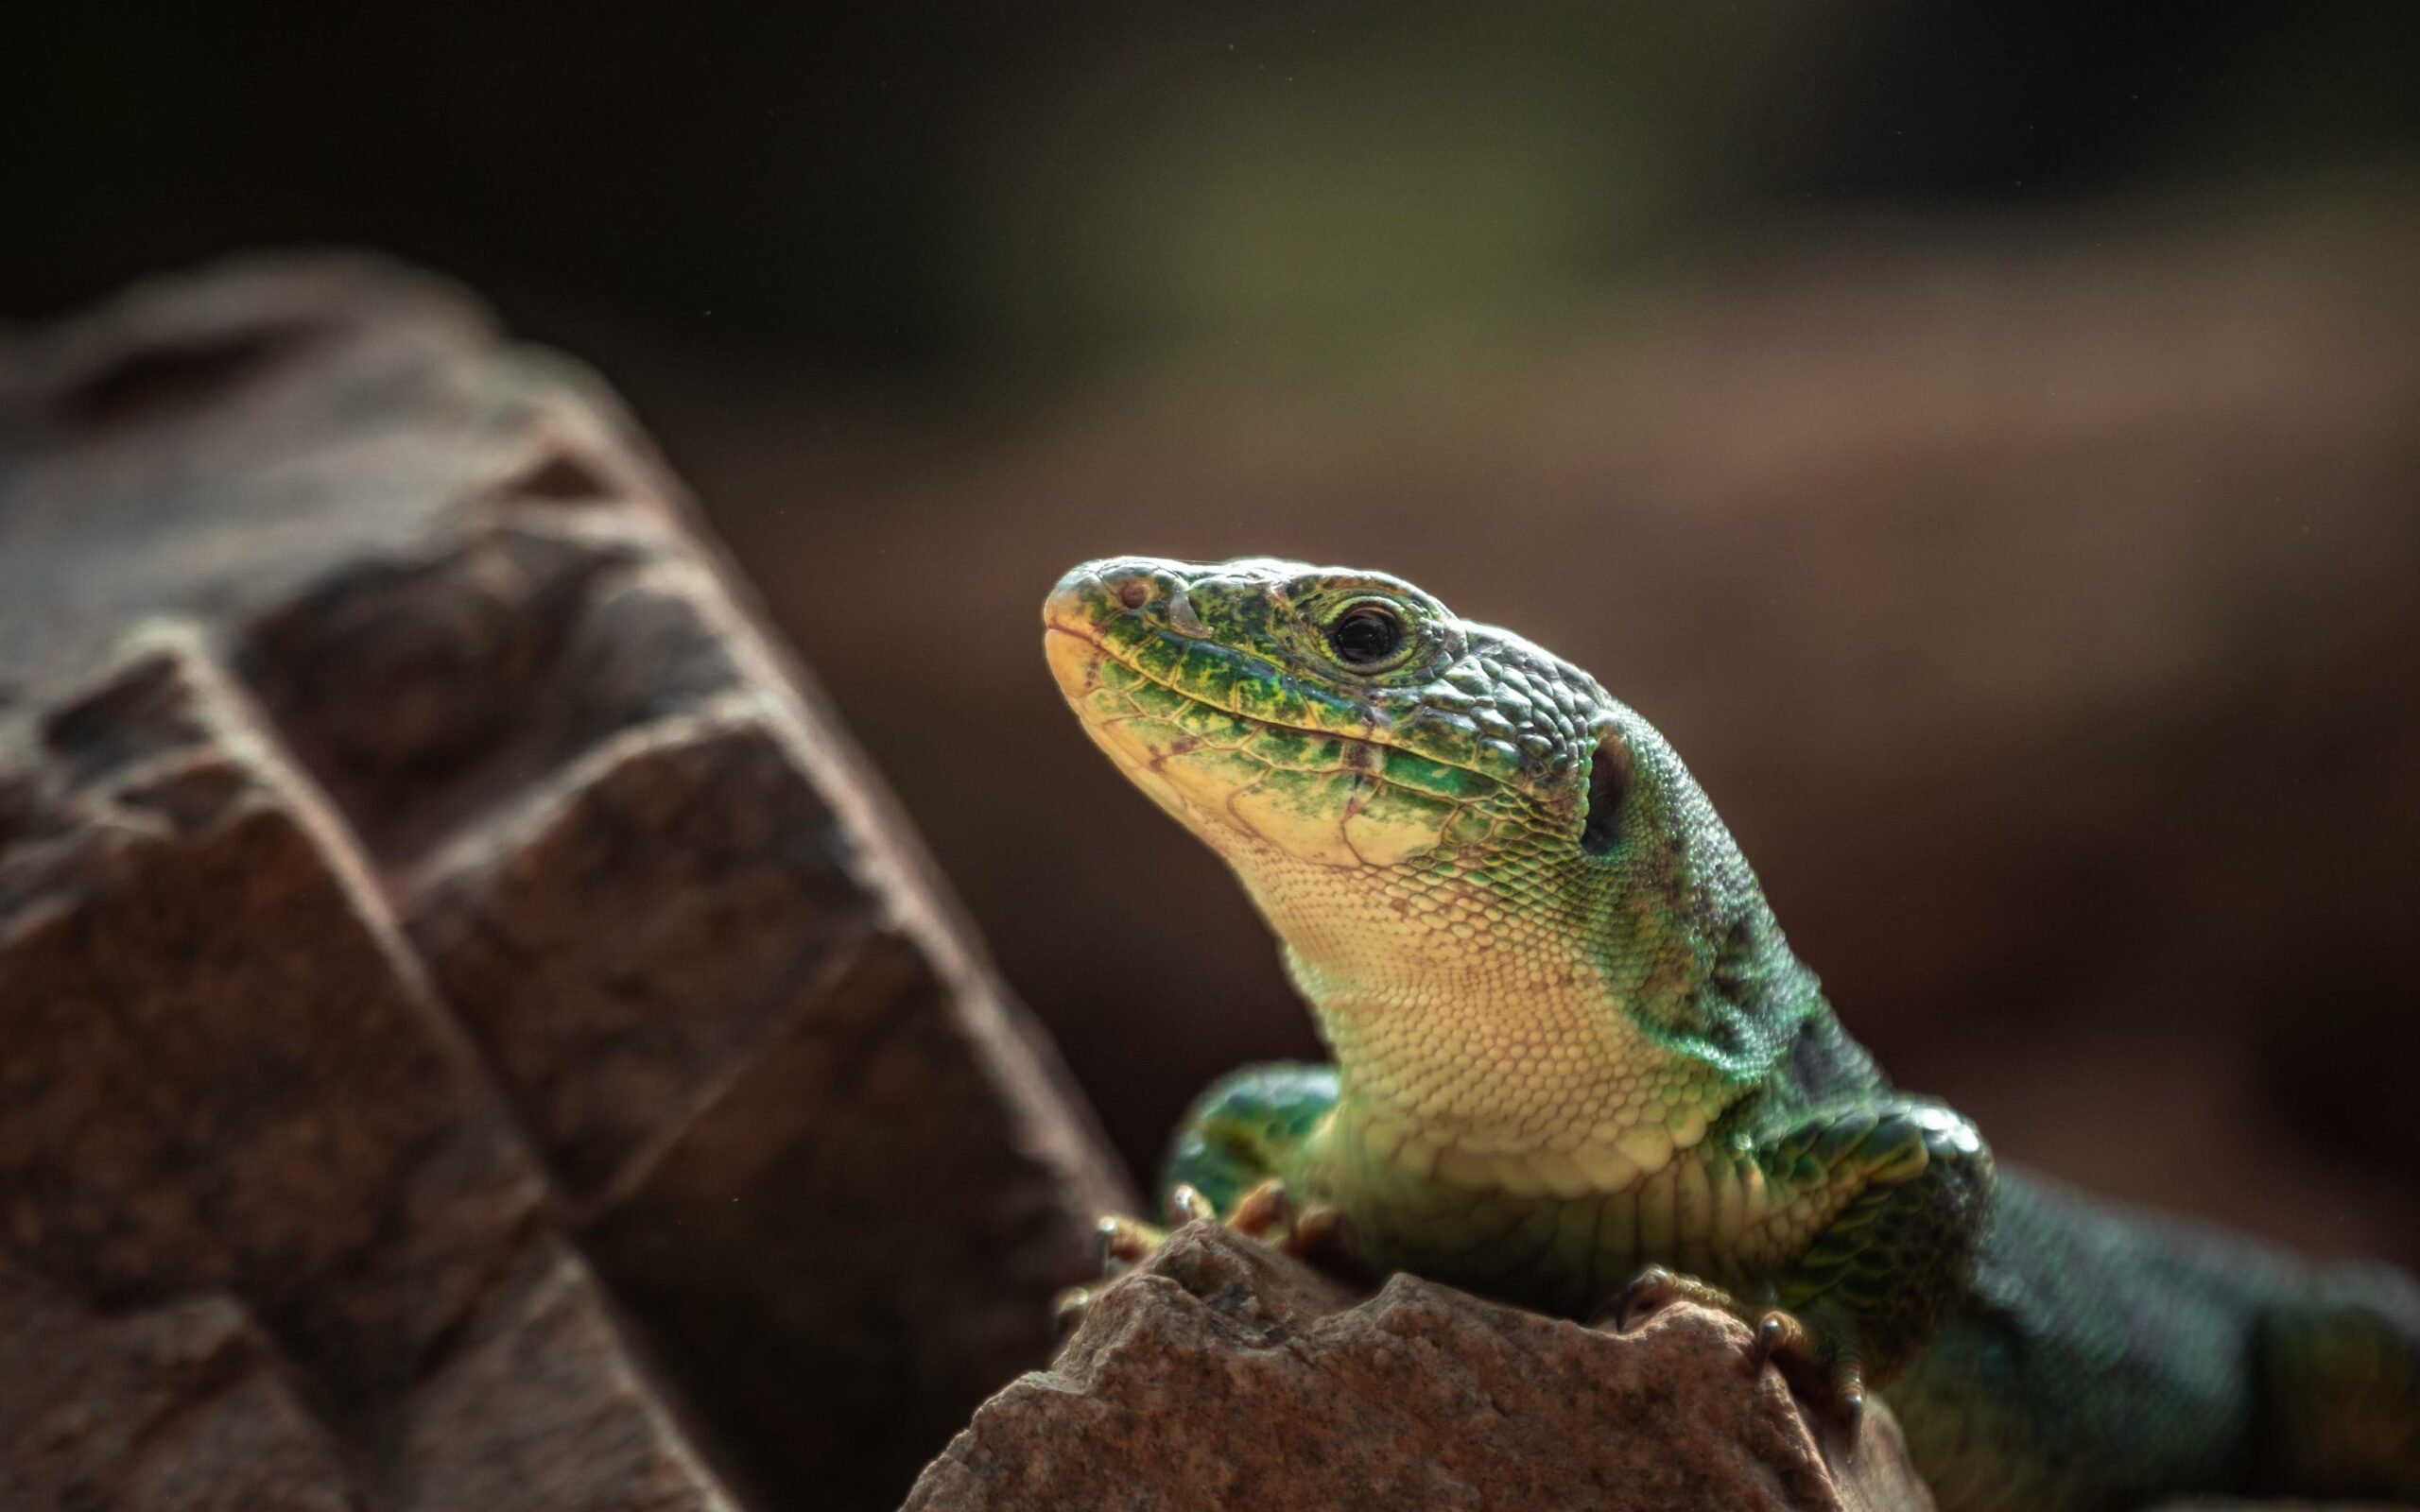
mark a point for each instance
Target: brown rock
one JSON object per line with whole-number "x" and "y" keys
{"x": 421, "y": 881}
{"x": 1220, "y": 1374}
{"x": 601, "y": 1442}
{"x": 179, "y": 1409}
{"x": 227, "y": 1075}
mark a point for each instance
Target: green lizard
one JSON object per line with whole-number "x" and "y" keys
{"x": 1575, "y": 1067}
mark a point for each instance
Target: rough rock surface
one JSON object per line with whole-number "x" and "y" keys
{"x": 179, "y": 1407}
{"x": 469, "y": 1026}
{"x": 1222, "y": 1375}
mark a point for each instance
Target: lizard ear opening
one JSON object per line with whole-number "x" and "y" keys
{"x": 1608, "y": 785}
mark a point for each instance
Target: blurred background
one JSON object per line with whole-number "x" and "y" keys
{"x": 1982, "y": 439}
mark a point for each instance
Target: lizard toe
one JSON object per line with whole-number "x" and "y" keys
{"x": 1830, "y": 1381}
{"x": 1125, "y": 1242}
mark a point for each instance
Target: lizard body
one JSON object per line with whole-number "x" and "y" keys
{"x": 1570, "y": 1042}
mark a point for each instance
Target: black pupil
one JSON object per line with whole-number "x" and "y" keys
{"x": 1366, "y": 635}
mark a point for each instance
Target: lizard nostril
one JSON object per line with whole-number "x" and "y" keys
{"x": 1134, "y": 592}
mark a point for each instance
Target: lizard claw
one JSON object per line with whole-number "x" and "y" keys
{"x": 1834, "y": 1386}
{"x": 1264, "y": 1208}
{"x": 1125, "y": 1242}
{"x": 1778, "y": 1332}
{"x": 1314, "y": 1232}
{"x": 1068, "y": 1312}
{"x": 1653, "y": 1289}
{"x": 1644, "y": 1294}
{"x": 1321, "y": 1233}
{"x": 1186, "y": 1204}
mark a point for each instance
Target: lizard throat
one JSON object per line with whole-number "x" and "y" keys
{"x": 1479, "y": 1024}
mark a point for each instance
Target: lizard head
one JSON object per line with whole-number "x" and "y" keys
{"x": 1344, "y": 718}
{"x": 1422, "y": 807}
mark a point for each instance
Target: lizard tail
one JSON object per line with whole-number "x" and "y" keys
{"x": 2339, "y": 1399}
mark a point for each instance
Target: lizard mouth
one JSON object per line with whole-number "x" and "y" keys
{"x": 1107, "y": 689}
{"x": 1321, "y": 795}
{"x": 1143, "y": 721}
{"x": 1093, "y": 646}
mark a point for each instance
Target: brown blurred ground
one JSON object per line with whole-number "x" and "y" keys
{"x": 2042, "y": 611}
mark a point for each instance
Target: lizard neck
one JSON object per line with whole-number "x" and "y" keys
{"x": 1532, "y": 1010}
{"x": 1502, "y": 1038}
{"x": 1478, "y": 1066}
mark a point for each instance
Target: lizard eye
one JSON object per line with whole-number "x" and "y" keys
{"x": 1366, "y": 635}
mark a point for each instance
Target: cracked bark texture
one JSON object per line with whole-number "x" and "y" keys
{"x": 470, "y": 1025}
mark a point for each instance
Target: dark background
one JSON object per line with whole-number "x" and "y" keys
{"x": 1982, "y": 439}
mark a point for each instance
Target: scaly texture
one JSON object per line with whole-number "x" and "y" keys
{"x": 1570, "y": 1042}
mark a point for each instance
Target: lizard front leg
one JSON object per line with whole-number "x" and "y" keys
{"x": 1250, "y": 1128}
{"x": 1230, "y": 1161}
{"x": 1897, "y": 1194}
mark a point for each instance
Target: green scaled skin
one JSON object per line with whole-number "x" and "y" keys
{"x": 1570, "y": 1044}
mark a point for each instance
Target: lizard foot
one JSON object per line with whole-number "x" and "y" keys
{"x": 1830, "y": 1381}
{"x": 1312, "y": 1233}
{"x": 1125, "y": 1243}
{"x": 1315, "y": 1233}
